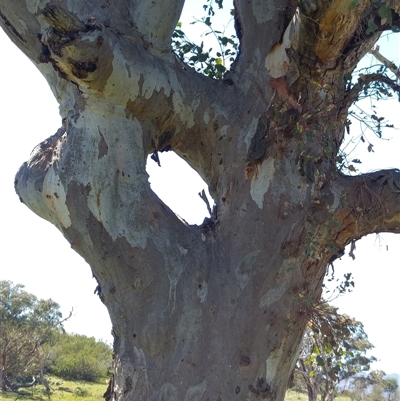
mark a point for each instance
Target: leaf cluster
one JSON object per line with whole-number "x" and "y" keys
{"x": 375, "y": 83}
{"x": 208, "y": 62}
{"x": 378, "y": 16}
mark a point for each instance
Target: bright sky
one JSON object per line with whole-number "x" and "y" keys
{"x": 35, "y": 253}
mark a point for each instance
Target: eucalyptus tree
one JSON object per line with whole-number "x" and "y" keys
{"x": 334, "y": 350}
{"x": 217, "y": 311}
{"x": 26, "y": 325}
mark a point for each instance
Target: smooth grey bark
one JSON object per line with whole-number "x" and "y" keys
{"x": 211, "y": 312}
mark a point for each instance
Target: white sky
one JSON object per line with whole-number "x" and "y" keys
{"x": 35, "y": 253}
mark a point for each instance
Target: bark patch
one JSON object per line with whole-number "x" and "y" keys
{"x": 260, "y": 184}
{"x": 336, "y": 27}
{"x": 103, "y": 147}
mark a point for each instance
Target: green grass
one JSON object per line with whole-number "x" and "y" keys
{"x": 295, "y": 396}
{"x": 85, "y": 391}
{"x": 62, "y": 390}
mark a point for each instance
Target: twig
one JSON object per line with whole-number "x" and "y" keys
{"x": 203, "y": 196}
{"x": 387, "y": 63}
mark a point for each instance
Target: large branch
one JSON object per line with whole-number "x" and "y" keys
{"x": 84, "y": 57}
{"x": 260, "y": 25}
{"x": 25, "y": 22}
{"x": 368, "y": 203}
{"x": 87, "y": 61}
{"x": 155, "y": 21}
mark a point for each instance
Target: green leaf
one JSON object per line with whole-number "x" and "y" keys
{"x": 353, "y": 4}
{"x": 372, "y": 27}
{"x": 386, "y": 14}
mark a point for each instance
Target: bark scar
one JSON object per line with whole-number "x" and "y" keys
{"x": 281, "y": 86}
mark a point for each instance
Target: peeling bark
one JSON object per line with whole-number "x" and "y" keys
{"x": 215, "y": 311}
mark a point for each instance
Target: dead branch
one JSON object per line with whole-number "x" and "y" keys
{"x": 386, "y": 62}
{"x": 364, "y": 80}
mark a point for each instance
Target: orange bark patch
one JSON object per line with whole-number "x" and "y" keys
{"x": 284, "y": 93}
{"x": 336, "y": 28}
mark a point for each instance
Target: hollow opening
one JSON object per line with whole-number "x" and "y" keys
{"x": 179, "y": 186}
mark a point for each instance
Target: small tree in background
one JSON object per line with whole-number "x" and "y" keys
{"x": 33, "y": 343}
{"x": 374, "y": 387}
{"x": 334, "y": 349}
{"x": 26, "y": 324}
{"x": 390, "y": 387}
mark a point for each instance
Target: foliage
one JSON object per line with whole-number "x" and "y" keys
{"x": 378, "y": 16}
{"x": 334, "y": 349}
{"x": 79, "y": 357}
{"x": 32, "y": 342}
{"x": 373, "y": 83}
{"x": 211, "y": 63}
{"x": 26, "y": 324}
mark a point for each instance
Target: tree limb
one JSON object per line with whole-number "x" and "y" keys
{"x": 259, "y": 26}
{"x": 26, "y": 35}
{"x": 364, "y": 80}
{"x": 386, "y": 62}
{"x": 75, "y": 53}
{"x": 155, "y": 21}
{"x": 336, "y": 27}
{"x": 369, "y": 203}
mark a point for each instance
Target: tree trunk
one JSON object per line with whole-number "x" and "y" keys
{"x": 2, "y": 380}
{"x": 217, "y": 311}
{"x": 44, "y": 381}
{"x": 312, "y": 383}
